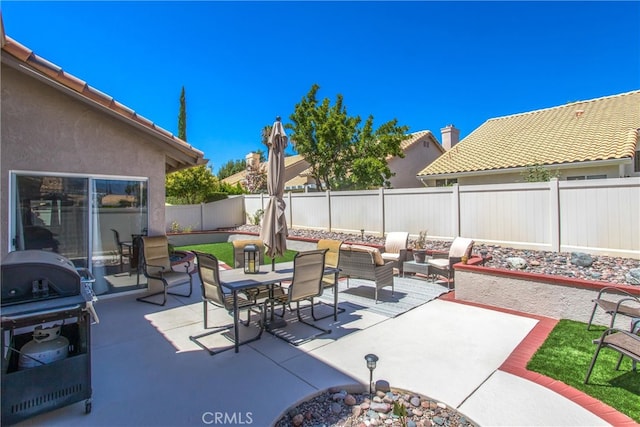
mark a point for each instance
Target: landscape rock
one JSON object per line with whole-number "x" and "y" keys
{"x": 581, "y": 259}
{"x": 517, "y": 262}
{"x": 633, "y": 276}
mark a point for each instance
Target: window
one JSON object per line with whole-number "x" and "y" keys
{"x": 636, "y": 162}
{"x": 583, "y": 177}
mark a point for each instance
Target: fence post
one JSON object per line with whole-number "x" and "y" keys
{"x": 382, "y": 219}
{"x": 201, "y": 216}
{"x": 455, "y": 209}
{"x": 554, "y": 214}
{"x": 290, "y": 210}
{"x": 328, "y": 193}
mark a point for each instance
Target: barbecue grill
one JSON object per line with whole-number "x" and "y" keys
{"x": 43, "y": 292}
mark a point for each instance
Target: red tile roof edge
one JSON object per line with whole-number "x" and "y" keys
{"x": 56, "y": 73}
{"x": 516, "y": 364}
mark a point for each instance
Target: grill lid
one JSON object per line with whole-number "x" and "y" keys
{"x": 34, "y": 275}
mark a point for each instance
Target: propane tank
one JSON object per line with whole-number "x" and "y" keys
{"x": 47, "y": 346}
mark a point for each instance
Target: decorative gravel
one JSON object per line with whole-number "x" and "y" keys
{"x": 337, "y": 407}
{"x": 615, "y": 270}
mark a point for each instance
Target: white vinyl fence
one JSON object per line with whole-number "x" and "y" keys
{"x": 595, "y": 216}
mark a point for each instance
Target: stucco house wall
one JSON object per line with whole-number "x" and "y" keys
{"x": 46, "y": 130}
{"x": 419, "y": 154}
{"x": 498, "y": 177}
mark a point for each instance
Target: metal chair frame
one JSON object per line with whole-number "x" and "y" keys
{"x": 163, "y": 270}
{"x": 613, "y": 308}
{"x": 332, "y": 259}
{"x": 306, "y": 285}
{"x": 213, "y": 294}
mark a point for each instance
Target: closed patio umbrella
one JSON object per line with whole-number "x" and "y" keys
{"x": 274, "y": 226}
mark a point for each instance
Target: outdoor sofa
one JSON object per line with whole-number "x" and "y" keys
{"x": 365, "y": 262}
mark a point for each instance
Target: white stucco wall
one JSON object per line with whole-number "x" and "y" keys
{"x": 46, "y": 130}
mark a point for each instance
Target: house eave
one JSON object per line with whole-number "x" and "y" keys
{"x": 179, "y": 155}
{"x": 572, "y": 165}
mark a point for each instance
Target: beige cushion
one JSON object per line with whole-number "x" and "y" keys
{"x": 390, "y": 256}
{"x": 439, "y": 262}
{"x": 375, "y": 252}
{"x": 396, "y": 241}
{"x": 460, "y": 246}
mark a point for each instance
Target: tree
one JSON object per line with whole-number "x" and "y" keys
{"x": 182, "y": 117}
{"x": 538, "y": 173}
{"x": 191, "y": 186}
{"x": 231, "y": 167}
{"x": 341, "y": 154}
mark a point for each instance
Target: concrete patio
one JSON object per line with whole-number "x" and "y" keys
{"x": 146, "y": 371}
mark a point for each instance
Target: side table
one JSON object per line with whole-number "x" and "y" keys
{"x": 415, "y": 267}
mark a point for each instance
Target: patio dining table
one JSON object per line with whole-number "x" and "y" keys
{"x": 236, "y": 280}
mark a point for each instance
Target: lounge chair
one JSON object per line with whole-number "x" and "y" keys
{"x": 625, "y": 304}
{"x": 444, "y": 266}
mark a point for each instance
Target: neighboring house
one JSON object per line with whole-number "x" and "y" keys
{"x": 420, "y": 149}
{"x": 591, "y": 139}
{"x": 294, "y": 167}
{"x": 76, "y": 164}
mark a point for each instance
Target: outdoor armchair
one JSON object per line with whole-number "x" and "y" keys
{"x": 617, "y": 302}
{"x": 331, "y": 259}
{"x": 444, "y": 266}
{"x": 395, "y": 248}
{"x": 308, "y": 270}
{"x": 212, "y": 293}
{"x": 156, "y": 265}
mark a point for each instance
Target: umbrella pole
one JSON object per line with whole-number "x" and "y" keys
{"x": 273, "y": 263}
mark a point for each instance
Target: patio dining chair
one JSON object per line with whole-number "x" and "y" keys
{"x": 460, "y": 247}
{"x": 330, "y": 281}
{"x": 308, "y": 270}
{"x": 623, "y": 342}
{"x": 212, "y": 293}
{"x": 124, "y": 248}
{"x": 617, "y": 301}
{"x": 156, "y": 265}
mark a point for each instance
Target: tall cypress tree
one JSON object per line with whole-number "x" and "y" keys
{"x": 182, "y": 117}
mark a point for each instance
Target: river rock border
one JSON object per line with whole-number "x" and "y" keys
{"x": 352, "y": 406}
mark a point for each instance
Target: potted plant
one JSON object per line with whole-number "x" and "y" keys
{"x": 419, "y": 247}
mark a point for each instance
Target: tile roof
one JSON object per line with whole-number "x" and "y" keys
{"x": 239, "y": 176}
{"x": 185, "y": 156}
{"x": 597, "y": 129}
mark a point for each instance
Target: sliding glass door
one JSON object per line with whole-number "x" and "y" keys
{"x": 78, "y": 217}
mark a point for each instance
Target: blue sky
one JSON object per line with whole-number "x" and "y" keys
{"x": 428, "y": 64}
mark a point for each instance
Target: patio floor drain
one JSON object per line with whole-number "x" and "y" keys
{"x": 353, "y": 406}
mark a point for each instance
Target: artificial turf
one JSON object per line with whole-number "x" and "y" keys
{"x": 566, "y": 355}
{"x": 224, "y": 252}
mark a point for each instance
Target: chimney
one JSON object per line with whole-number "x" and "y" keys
{"x": 253, "y": 160}
{"x": 450, "y": 136}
